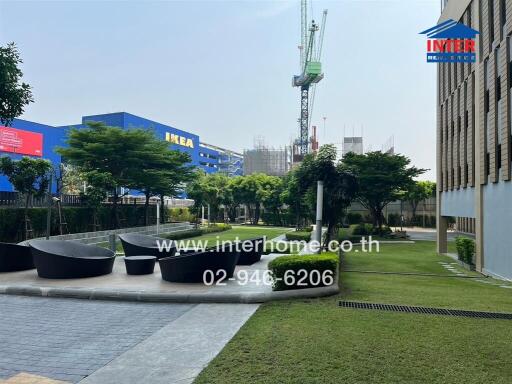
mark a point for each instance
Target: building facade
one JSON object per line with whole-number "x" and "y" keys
{"x": 474, "y": 129}
{"x": 25, "y": 138}
{"x": 222, "y": 160}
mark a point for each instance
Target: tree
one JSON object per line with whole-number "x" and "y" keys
{"x": 381, "y": 178}
{"x": 14, "y": 95}
{"x": 112, "y": 152}
{"x": 417, "y": 192}
{"x": 270, "y": 195}
{"x": 210, "y": 189}
{"x": 340, "y": 186}
{"x": 161, "y": 172}
{"x": 29, "y": 177}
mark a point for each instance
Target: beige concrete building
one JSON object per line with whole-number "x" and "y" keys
{"x": 474, "y": 135}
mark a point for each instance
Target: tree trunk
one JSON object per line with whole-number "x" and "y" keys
{"x": 146, "y": 208}
{"x": 162, "y": 210}
{"x": 257, "y": 214}
{"x": 115, "y": 214}
{"x": 27, "y": 200}
{"x": 414, "y": 206}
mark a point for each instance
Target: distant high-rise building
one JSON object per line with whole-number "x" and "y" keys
{"x": 352, "y": 144}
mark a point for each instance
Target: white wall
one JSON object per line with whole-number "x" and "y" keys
{"x": 459, "y": 202}
{"x": 497, "y": 224}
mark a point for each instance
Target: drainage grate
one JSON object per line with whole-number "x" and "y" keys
{"x": 425, "y": 310}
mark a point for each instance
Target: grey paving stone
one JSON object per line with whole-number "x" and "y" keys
{"x": 178, "y": 351}
{"x": 67, "y": 339}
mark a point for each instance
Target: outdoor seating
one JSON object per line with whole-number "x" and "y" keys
{"x": 15, "y": 257}
{"x": 251, "y": 250}
{"x": 190, "y": 267}
{"x": 58, "y": 259}
{"x": 140, "y": 265}
{"x": 135, "y": 244}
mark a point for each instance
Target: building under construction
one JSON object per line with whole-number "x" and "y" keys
{"x": 267, "y": 160}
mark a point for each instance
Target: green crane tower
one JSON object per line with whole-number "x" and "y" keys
{"x": 311, "y": 72}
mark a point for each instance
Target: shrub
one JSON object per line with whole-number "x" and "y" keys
{"x": 354, "y": 218}
{"x": 362, "y": 230}
{"x": 465, "y": 249}
{"x": 298, "y": 236}
{"x": 198, "y": 231}
{"x": 184, "y": 234}
{"x": 286, "y": 275}
{"x": 180, "y": 214}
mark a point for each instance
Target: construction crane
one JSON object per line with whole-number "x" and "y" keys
{"x": 311, "y": 72}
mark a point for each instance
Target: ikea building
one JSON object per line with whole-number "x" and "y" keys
{"x": 26, "y": 138}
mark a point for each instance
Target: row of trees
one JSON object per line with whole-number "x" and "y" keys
{"x": 253, "y": 191}
{"x": 374, "y": 179}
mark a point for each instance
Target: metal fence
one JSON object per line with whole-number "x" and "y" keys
{"x": 16, "y": 199}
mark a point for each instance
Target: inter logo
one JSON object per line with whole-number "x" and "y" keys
{"x": 451, "y": 42}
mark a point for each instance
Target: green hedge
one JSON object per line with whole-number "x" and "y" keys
{"x": 198, "y": 231}
{"x": 78, "y": 219}
{"x": 298, "y": 236}
{"x": 465, "y": 249}
{"x": 284, "y": 269}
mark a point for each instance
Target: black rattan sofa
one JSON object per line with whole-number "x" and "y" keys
{"x": 58, "y": 259}
{"x": 135, "y": 244}
{"x": 190, "y": 267}
{"x": 15, "y": 257}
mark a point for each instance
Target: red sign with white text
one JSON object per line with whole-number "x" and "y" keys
{"x": 22, "y": 142}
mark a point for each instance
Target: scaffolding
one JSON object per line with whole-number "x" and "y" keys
{"x": 268, "y": 160}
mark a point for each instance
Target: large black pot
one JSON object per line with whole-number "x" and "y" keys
{"x": 58, "y": 259}
{"x": 135, "y": 244}
{"x": 251, "y": 250}
{"x": 15, "y": 257}
{"x": 190, "y": 267}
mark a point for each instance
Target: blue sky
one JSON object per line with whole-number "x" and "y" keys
{"x": 222, "y": 69}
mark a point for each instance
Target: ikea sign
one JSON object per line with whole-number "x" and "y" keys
{"x": 179, "y": 140}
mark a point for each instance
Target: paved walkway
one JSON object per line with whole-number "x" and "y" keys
{"x": 48, "y": 340}
{"x": 178, "y": 352}
{"x": 418, "y": 233}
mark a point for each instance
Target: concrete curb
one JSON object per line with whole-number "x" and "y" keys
{"x": 159, "y": 297}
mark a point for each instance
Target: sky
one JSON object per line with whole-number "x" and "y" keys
{"x": 223, "y": 69}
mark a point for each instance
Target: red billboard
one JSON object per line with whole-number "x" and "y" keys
{"x": 22, "y": 142}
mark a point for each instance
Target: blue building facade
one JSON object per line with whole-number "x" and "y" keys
{"x": 208, "y": 158}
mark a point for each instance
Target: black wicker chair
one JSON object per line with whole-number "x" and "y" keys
{"x": 58, "y": 259}
{"x": 190, "y": 267}
{"x": 15, "y": 257}
{"x": 135, "y": 244}
{"x": 251, "y": 250}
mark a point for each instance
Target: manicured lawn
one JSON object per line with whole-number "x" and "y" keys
{"x": 242, "y": 232}
{"x": 315, "y": 341}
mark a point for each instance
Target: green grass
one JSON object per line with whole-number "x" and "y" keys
{"x": 242, "y": 232}
{"x": 315, "y": 341}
